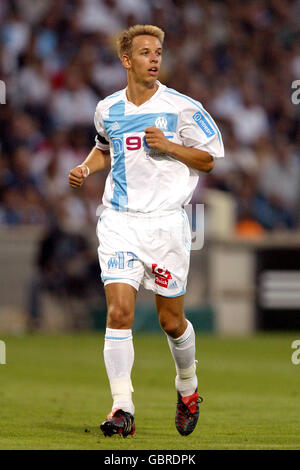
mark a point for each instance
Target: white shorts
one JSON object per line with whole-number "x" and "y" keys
{"x": 153, "y": 251}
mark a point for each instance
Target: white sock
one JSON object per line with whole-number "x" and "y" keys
{"x": 118, "y": 359}
{"x": 183, "y": 352}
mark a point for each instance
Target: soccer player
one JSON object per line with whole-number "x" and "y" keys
{"x": 157, "y": 141}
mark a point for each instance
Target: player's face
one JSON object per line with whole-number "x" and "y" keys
{"x": 145, "y": 60}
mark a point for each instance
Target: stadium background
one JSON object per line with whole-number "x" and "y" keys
{"x": 57, "y": 59}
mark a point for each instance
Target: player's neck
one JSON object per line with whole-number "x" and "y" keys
{"x": 139, "y": 93}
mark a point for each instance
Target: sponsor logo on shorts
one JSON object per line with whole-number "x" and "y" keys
{"x": 162, "y": 276}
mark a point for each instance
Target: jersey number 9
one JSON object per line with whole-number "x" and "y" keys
{"x": 133, "y": 143}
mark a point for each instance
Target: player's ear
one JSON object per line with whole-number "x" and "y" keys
{"x": 126, "y": 62}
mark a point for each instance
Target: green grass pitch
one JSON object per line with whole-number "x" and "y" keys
{"x": 54, "y": 393}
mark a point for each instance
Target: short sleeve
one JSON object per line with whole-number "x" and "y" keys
{"x": 101, "y": 139}
{"x": 197, "y": 129}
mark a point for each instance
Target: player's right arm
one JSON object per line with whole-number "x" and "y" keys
{"x": 96, "y": 160}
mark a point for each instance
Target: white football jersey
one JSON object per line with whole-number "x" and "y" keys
{"x": 143, "y": 179}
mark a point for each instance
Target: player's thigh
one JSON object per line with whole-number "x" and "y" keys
{"x": 118, "y": 250}
{"x": 171, "y": 314}
{"x": 120, "y": 299}
{"x": 167, "y": 258}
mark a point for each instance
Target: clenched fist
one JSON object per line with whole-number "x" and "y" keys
{"x": 78, "y": 175}
{"x": 156, "y": 138}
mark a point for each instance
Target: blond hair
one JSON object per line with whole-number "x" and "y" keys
{"x": 124, "y": 42}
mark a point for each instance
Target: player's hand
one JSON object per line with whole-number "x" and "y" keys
{"x": 78, "y": 175}
{"x": 156, "y": 138}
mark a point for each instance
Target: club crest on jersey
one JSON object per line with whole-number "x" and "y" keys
{"x": 161, "y": 122}
{"x": 162, "y": 276}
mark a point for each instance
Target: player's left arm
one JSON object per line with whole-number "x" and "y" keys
{"x": 200, "y": 139}
{"x": 195, "y": 158}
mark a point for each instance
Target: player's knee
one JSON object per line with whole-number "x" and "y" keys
{"x": 172, "y": 325}
{"x": 119, "y": 317}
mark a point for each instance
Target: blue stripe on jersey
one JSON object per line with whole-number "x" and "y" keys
{"x": 118, "y": 124}
{"x": 119, "y": 200}
{"x": 198, "y": 105}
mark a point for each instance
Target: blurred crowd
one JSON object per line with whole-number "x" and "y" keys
{"x": 58, "y": 59}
